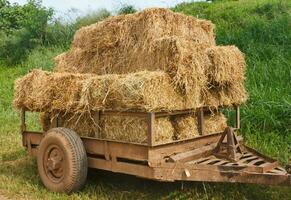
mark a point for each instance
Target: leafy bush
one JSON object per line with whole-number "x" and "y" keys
{"x": 22, "y": 28}
{"x": 126, "y": 9}
{"x": 60, "y": 33}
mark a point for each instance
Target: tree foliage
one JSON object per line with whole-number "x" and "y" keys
{"x": 21, "y": 29}
{"x": 126, "y": 9}
{"x": 25, "y": 27}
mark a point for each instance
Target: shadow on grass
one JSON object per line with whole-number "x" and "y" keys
{"x": 12, "y": 156}
{"x": 181, "y": 190}
{"x": 24, "y": 169}
{"x": 113, "y": 185}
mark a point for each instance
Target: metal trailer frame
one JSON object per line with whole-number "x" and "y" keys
{"x": 204, "y": 158}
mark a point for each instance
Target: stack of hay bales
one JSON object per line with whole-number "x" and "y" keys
{"x": 154, "y": 60}
{"x": 69, "y": 92}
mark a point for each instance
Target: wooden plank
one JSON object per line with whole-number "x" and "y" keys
{"x": 193, "y": 154}
{"x": 201, "y": 160}
{"x": 121, "y": 167}
{"x": 237, "y": 117}
{"x": 269, "y": 166}
{"x": 106, "y": 150}
{"x": 158, "y": 153}
{"x": 222, "y": 176}
{"x": 194, "y": 162}
{"x": 33, "y": 136}
{"x": 182, "y": 112}
{"x": 281, "y": 169}
{"x": 200, "y": 120}
{"x": 97, "y": 121}
{"x": 246, "y": 155}
{"x": 210, "y": 161}
{"x": 178, "y": 112}
{"x": 243, "y": 160}
{"x": 183, "y": 140}
{"x": 23, "y": 118}
{"x": 123, "y": 113}
{"x": 259, "y": 154}
{"x": 255, "y": 161}
{"x": 231, "y": 167}
{"x": 151, "y": 128}
{"x": 221, "y": 162}
{"x": 123, "y": 150}
{"x": 276, "y": 171}
{"x": 28, "y": 147}
{"x": 23, "y": 126}
{"x": 233, "y": 164}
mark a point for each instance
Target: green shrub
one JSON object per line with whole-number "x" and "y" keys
{"x": 126, "y": 9}
{"x": 22, "y": 28}
{"x": 61, "y": 34}
{"x": 26, "y": 27}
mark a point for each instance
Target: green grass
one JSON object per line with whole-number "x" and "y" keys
{"x": 261, "y": 29}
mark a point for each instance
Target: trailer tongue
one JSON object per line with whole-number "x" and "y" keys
{"x": 217, "y": 157}
{"x": 226, "y": 162}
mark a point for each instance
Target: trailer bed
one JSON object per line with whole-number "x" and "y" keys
{"x": 216, "y": 157}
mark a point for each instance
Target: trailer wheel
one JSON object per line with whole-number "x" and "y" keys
{"x": 62, "y": 161}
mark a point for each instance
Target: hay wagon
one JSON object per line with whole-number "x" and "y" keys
{"x": 64, "y": 157}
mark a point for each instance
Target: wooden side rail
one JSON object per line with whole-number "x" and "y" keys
{"x": 150, "y": 116}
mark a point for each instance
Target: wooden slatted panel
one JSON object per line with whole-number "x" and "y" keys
{"x": 269, "y": 166}
{"x": 198, "y": 160}
{"x": 246, "y": 159}
{"x": 221, "y": 162}
{"x": 194, "y": 154}
{"x": 253, "y": 162}
{"x": 210, "y": 161}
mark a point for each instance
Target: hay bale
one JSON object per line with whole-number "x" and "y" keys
{"x": 187, "y": 126}
{"x": 124, "y": 35}
{"x": 147, "y": 91}
{"x": 122, "y": 128}
{"x": 228, "y": 95}
{"x": 82, "y": 123}
{"x": 185, "y": 64}
{"x": 123, "y": 44}
{"x": 45, "y": 91}
{"x": 154, "y": 39}
{"x": 215, "y": 123}
{"x": 226, "y": 75}
{"x": 134, "y": 129}
{"x": 159, "y": 39}
{"x": 227, "y": 65}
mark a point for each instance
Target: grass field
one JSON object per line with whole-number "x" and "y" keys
{"x": 261, "y": 29}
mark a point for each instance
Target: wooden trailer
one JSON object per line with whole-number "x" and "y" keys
{"x": 63, "y": 157}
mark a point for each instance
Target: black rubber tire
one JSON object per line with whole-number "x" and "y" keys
{"x": 74, "y": 160}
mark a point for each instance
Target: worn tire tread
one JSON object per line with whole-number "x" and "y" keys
{"x": 78, "y": 162}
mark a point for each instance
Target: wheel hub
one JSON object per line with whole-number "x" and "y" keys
{"x": 54, "y": 163}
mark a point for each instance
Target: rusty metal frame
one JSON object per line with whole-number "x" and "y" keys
{"x": 178, "y": 160}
